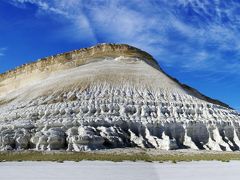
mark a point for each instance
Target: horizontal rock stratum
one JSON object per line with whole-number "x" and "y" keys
{"x": 108, "y": 96}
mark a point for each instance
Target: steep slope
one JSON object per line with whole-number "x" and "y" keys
{"x": 108, "y": 96}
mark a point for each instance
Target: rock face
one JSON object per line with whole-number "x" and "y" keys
{"x": 108, "y": 96}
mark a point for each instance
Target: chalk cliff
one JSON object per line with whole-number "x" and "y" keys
{"x": 108, "y": 96}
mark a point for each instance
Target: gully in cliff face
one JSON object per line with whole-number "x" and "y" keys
{"x": 108, "y": 96}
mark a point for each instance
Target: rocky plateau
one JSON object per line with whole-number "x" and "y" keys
{"x": 109, "y": 96}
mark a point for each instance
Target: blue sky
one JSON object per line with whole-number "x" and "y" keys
{"x": 196, "y": 41}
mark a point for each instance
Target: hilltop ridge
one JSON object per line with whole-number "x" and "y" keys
{"x": 83, "y": 56}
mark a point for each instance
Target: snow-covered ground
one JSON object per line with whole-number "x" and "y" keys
{"x": 103, "y": 170}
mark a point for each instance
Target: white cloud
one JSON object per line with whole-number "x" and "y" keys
{"x": 45, "y": 6}
{"x": 79, "y": 28}
{"x": 2, "y": 51}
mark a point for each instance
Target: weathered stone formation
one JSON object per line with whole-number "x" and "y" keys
{"x": 116, "y": 97}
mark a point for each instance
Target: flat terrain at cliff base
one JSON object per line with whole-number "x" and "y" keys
{"x": 121, "y": 154}
{"x": 89, "y": 170}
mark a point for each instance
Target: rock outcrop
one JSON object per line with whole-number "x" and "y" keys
{"x": 108, "y": 96}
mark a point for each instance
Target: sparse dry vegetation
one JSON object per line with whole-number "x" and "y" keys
{"x": 79, "y": 156}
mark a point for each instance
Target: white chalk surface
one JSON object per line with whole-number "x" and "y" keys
{"x": 104, "y": 170}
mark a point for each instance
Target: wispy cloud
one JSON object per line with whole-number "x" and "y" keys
{"x": 2, "y": 51}
{"x": 79, "y": 27}
{"x": 194, "y": 34}
{"x": 45, "y": 6}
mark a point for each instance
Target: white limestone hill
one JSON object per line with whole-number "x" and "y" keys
{"x": 108, "y": 96}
